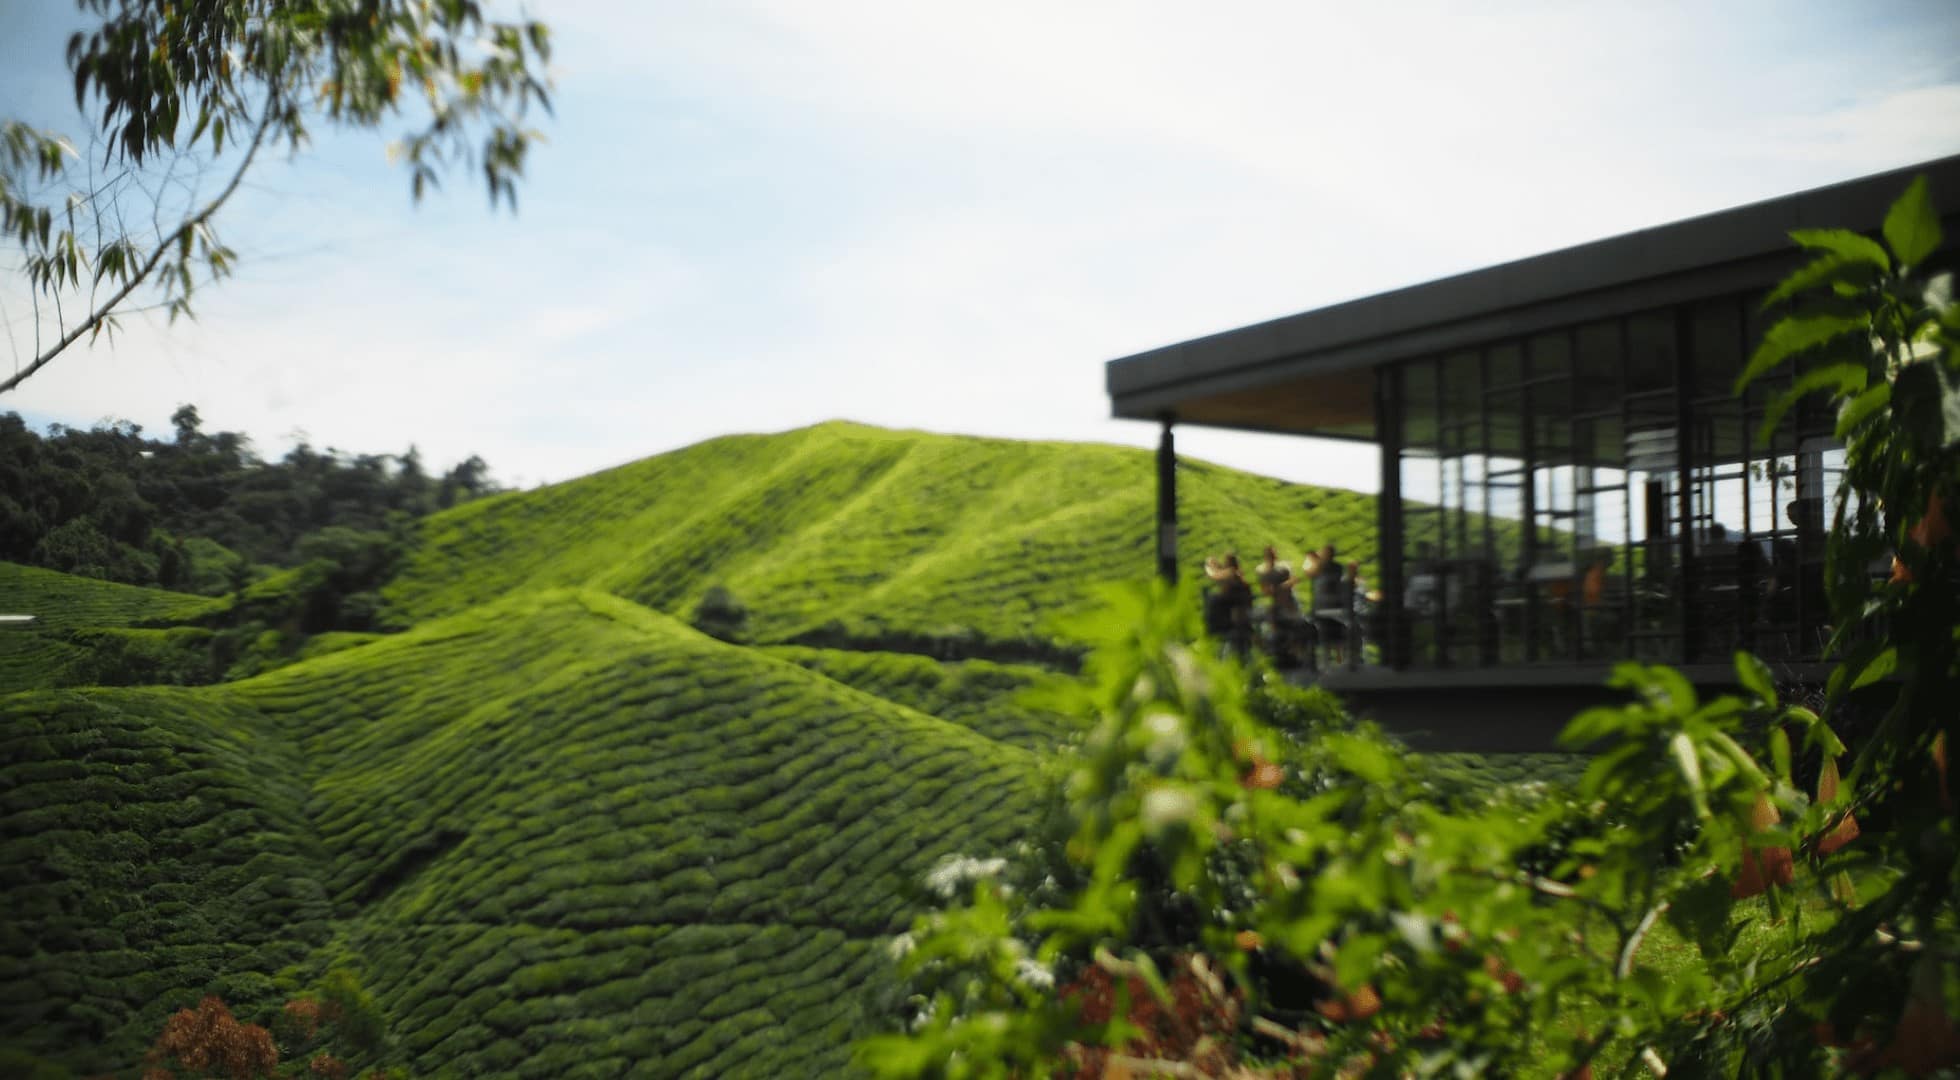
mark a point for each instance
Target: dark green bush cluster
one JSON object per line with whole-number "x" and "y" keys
{"x": 199, "y": 511}
{"x": 720, "y": 614}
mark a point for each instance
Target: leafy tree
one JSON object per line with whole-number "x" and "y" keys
{"x": 200, "y": 511}
{"x": 177, "y": 86}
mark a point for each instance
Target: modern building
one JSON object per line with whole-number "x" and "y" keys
{"x": 1567, "y": 478}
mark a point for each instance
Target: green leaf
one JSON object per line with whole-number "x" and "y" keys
{"x": 1701, "y": 912}
{"x": 1590, "y": 726}
{"x": 1852, "y": 247}
{"x": 1820, "y": 735}
{"x": 1362, "y": 757}
{"x": 1744, "y": 763}
{"x": 1798, "y": 334}
{"x": 1688, "y": 760}
{"x": 1844, "y": 379}
{"x": 1754, "y": 676}
{"x": 1880, "y": 666}
{"x": 1356, "y": 960}
{"x": 1857, "y": 410}
{"x": 1912, "y": 226}
{"x": 1144, "y": 966}
{"x": 1779, "y": 752}
{"x": 1416, "y": 929}
{"x": 1826, "y": 270}
{"x": 1669, "y": 690}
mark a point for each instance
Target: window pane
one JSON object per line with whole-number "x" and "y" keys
{"x": 1551, "y": 354}
{"x": 1650, "y": 341}
{"x": 1716, "y": 333}
{"x": 1596, "y": 372}
{"x": 1506, "y": 365}
{"x": 1419, "y": 404}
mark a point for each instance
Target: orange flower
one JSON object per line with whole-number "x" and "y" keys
{"x": 1931, "y": 530}
{"x": 1264, "y": 774}
{"x": 1939, "y": 762}
{"x": 1511, "y": 980}
{"x": 1827, "y": 789}
{"x": 1768, "y": 867}
{"x": 1351, "y": 1008}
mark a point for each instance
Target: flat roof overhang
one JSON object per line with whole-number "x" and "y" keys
{"x": 1313, "y": 373}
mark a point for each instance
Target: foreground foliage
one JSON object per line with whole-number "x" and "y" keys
{"x": 1237, "y": 896}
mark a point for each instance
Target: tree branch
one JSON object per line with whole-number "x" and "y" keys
{"x": 1625, "y": 966}
{"x": 142, "y": 273}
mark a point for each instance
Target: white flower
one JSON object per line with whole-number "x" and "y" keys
{"x": 1033, "y": 974}
{"x": 900, "y": 946}
{"x": 1164, "y": 725}
{"x": 955, "y": 871}
{"x": 1165, "y": 806}
{"x": 1166, "y": 733}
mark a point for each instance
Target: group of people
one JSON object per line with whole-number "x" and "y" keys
{"x": 1269, "y": 607}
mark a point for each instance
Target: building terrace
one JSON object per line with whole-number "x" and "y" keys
{"x": 1566, "y": 476}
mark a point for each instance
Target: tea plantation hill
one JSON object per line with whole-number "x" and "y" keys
{"x": 555, "y": 829}
{"x": 842, "y": 534}
{"x": 80, "y": 624}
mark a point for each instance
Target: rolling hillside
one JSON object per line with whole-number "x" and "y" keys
{"x": 845, "y": 534}
{"x": 557, "y": 829}
{"x": 83, "y": 628}
{"x": 552, "y": 826}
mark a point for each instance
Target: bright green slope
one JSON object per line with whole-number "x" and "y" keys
{"x": 83, "y": 627}
{"x": 980, "y": 694}
{"x": 846, "y": 534}
{"x": 63, "y": 601}
{"x": 558, "y": 830}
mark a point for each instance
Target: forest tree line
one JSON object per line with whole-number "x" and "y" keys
{"x": 200, "y": 511}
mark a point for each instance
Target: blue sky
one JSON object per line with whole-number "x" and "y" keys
{"x": 752, "y": 216}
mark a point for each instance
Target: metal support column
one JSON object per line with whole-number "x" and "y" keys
{"x": 1167, "y": 503}
{"x": 1684, "y": 471}
{"x": 1388, "y": 516}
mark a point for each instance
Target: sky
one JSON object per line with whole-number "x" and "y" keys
{"x": 752, "y": 215}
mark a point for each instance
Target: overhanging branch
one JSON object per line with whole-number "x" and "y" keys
{"x": 142, "y": 273}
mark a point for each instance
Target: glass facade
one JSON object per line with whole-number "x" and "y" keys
{"x": 1597, "y": 492}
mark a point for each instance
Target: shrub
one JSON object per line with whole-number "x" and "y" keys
{"x": 720, "y": 614}
{"x": 208, "y": 1041}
